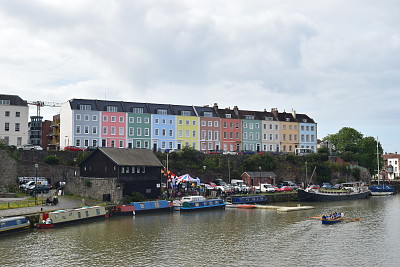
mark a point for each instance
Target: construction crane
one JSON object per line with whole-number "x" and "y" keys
{"x": 40, "y": 104}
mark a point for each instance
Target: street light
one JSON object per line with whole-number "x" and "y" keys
{"x": 74, "y": 167}
{"x": 259, "y": 168}
{"x": 35, "y": 192}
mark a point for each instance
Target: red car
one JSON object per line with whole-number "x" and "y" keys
{"x": 73, "y": 148}
{"x": 213, "y": 185}
{"x": 314, "y": 186}
{"x": 284, "y": 189}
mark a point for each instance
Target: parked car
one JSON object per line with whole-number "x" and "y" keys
{"x": 29, "y": 147}
{"x": 284, "y": 188}
{"x": 326, "y": 186}
{"x": 314, "y": 187}
{"x": 91, "y": 148}
{"x": 213, "y": 185}
{"x": 39, "y": 188}
{"x": 73, "y": 148}
{"x": 26, "y": 185}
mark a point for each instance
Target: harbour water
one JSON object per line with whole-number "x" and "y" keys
{"x": 230, "y": 237}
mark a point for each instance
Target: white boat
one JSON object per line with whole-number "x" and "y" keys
{"x": 178, "y": 202}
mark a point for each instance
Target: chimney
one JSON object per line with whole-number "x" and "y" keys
{"x": 274, "y": 111}
{"x": 236, "y": 110}
{"x": 294, "y": 113}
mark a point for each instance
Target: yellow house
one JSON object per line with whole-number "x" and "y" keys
{"x": 289, "y": 134}
{"x": 187, "y": 129}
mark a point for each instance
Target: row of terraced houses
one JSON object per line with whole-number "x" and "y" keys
{"x": 88, "y": 122}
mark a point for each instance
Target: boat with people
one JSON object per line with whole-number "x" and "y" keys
{"x": 349, "y": 191}
{"x": 191, "y": 203}
{"x": 332, "y": 218}
{"x": 61, "y": 217}
{"x": 252, "y": 199}
{"x": 14, "y": 224}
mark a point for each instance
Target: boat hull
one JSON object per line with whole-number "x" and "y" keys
{"x": 331, "y": 221}
{"x": 248, "y": 199}
{"x": 14, "y": 224}
{"x": 380, "y": 190}
{"x": 303, "y": 195}
{"x": 203, "y": 205}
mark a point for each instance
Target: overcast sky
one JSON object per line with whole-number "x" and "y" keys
{"x": 336, "y": 61}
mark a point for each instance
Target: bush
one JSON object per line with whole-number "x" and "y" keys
{"x": 135, "y": 197}
{"x": 52, "y": 160}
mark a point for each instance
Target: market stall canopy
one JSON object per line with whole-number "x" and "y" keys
{"x": 187, "y": 178}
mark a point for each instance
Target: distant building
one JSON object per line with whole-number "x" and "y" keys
{"x": 14, "y": 113}
{"x": 255, "y": 178}
{"x": 393, "y": 160}
{"x": 137, "y": 170}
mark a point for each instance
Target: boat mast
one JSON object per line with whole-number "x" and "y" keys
{"x": 377, "y": 156}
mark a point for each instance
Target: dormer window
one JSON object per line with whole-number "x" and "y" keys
{"x": 112, "y": 109}
{"x": 228, "y": 116}
{"x": 85, "y": 107}
{"x": 268, "y": 118}
{"x": 162, "y": 111}
{"x": 304, "y": 120}
{"x": 5, "y": 102}
{"x": 249, "y": 117}
{"x": 137, "y": 110}
{"x": 185, "y": 113}
{"x": 287, "y": 119}
{"x": 208, "y": 114}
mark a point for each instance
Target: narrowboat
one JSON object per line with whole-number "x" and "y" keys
{"x": 14, "y": 224}
{"x": 247, "y": 199}
{"x": 192, "y": 203}
{"x": 143, "y": 207}
{"x": 61, "y": 217}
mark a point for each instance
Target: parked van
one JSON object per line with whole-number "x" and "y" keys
{"x": 239, "y": 185}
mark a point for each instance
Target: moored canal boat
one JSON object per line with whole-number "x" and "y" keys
{"x": 61, "y": 217}
{"x": 247, "y": 199}
{"x": 191, "y": 203}
{"x": 14, "y": 224}
{"x": 143, "y": 207}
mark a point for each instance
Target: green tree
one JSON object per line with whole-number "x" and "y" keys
{"x": 346, "y": 140}
{"x": 367, "y": 154}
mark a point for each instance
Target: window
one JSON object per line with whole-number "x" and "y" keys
{"x": 171, "y": 133}
{"x": 146, "y": 131}
{"x": 86, "y": 117}
{"x": 94, "y": 142}
{"x": 121, "y": 119}
{"x": 251, "y": 126}
{"x": 5, "y": 102}
{"x": 121, "y": 144}
{"x": 249, "y": 117}
{"x": 164, "y": 121}
{"x": 284, "y": 127}
{"x": 86, "y": 142}
{"x": 231, "y": 125}
{"x": 138, "y": 144}
{"x": 290, "y": 127}
{"x": 112, "y": 109}
{"x": 225, "y": 136}
{"x": 131, "y": 131}
{"x": 121, "y": 130}
{"x": 146, "y": 120}
{"x": 113, "y": 119}
{"x": 187, "y": 133}
{"x": 225, "y": 125}
{"x": 17, "y": 114}
{"x": 193, "y": 122}
{"x": 209, "y": 136}
{"x": 131, "y": 119}
{"x": 137, "y": 110}
{"x": 245, "y": 136}
{"x": 105, "y": 130}
{"x": 7, "y": 114}
{"x": 208, "y": 114}
{"x": 215, "y": 123}
{"x": 86, "y": 129}
{"x": 302, "y": 127}
{"x": 312, "y": 128}
{"x": 162, "y": 111}
{"x": 94, "y": 118}
{"x": 78, "y": 142}
{"x": 251, "y": 136}
{"x": 113, "y": 130}
{"x": 231, "y": 135}
{"x": 139, "y": 131}
{"x": 164, "y": 132}
{"x": 171, "y": 122}
{"x": 187, "y": 122}
{"x": 17, "y": 127}
{"x": 215, "y": 135}
{"x": 105, "y": 118}
{"x": 185, "y": 113}
{"x": 78, "y": 117}
{"x": 180, "y": 122}
{"x": 138, "y": 120}
{"x": 180, "y": 133}
{"x": 85, "y": 107}
{"x": 78, "y": 129}
{"x": 94, "y": 130}
{"x": 210, "y": 124}
{"x": 203, "y": 123}
{"x": 244, "y": 124}
{"x": 156, "y": 132}
{"x": 257, "y": 126}
{"x": 228, "y": 116}
{"x": 156, "y": 121}
{"x": 19, "y": 141}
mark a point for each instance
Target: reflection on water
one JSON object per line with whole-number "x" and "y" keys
{"x": 231, "y": 237}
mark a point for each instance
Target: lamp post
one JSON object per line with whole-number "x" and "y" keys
{"x": 229, "y": 170}
{"x": 74, "y": 167}
{"x": 259, "y": 184}
{"x": 306, "y": 185}
{"x": 36, "y": 170}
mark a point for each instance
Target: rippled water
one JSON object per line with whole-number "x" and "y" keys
{"x": 231, "y": 237}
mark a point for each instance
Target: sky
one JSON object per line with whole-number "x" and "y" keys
{"x": 336, "y": 61}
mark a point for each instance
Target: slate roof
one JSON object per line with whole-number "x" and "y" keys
{"x": 303, "y": 118}
{"x": 131, "y": 157}
{"x": 263, "y": 174}
{"x": 14, "y": 100}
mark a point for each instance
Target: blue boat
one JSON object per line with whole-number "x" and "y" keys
{"x": 202, "y": 204}
{"x": 14, "y": 224}
{"x": 247, "y": 199}
{"x": 331, "y": 219}
{"x": 381, "y": 190}
{"x": 151, "y": 206}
